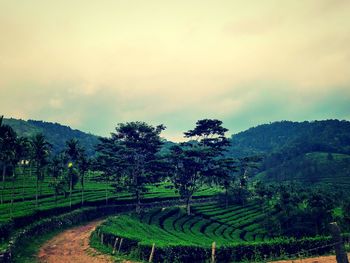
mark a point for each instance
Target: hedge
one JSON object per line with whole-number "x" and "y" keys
{"x": 245, "y": 251}
{"x": 8, "y": 227}
{"x": 75, "y": 217}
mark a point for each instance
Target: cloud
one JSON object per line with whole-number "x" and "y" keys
{"x": 92, "y": 65}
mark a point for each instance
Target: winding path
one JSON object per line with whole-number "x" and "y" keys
{"x": 71, "y": 246}
{"x": 323, "y": 259}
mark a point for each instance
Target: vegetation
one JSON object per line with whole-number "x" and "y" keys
{"x": 56, "y": 134}
{"x": 135, "y": 165}
{"x": 237, "y": 231}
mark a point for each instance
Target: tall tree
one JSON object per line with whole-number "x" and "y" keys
{"x": 56, "y": 169}
{"x": 225, "y": 171}
{"x": 73, "y": 153}
{"x": 19, "y": 153}
{"x": 129, "y": 156}
{"x": 194, "y": 160}
{"x": 83, "y": 164}
{"x": 7, "y": 151}
{"x": 41, "y": 152}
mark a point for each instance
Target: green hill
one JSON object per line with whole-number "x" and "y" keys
{"x": 55, "y": 133}
{"x": 301, "y": 137}
{"x": 298, "y": 151}
{"x": 315, "y": 167}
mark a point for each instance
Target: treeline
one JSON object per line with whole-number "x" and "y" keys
{"x": 287, "y": 136}
{"x": 56, "y": 134}
{"x": 32, "y": 156}
{"x": 296, "y": 210}
{"x": 131, "y": 158}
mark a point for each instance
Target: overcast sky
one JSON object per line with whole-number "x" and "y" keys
{"x": 93, "y": 64}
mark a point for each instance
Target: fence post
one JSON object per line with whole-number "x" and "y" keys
{"x": 152, "y": 253}
{"x": 115, "y": 245}
{"x": 339, "y": 244}
{"x": 102, "y": 239}
{"x": 213, "y": 248}
{"x": 120, "y": 244}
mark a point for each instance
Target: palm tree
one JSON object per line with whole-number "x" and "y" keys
{"x": 84, "y": 163}
{"x": 24, "y": 152}
{"x": 56, "y": 169}
{"x": 19, "y": 152}
{"x": 7, "y": 149}
{"x": 41, "y": 151}
{"x": 72, "y": 152}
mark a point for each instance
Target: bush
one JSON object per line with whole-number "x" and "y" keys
{"x": 237, "y": 252}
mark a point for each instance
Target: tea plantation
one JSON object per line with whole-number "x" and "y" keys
{"x": 208, "y": 223}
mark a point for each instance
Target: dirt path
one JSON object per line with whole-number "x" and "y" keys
{"x": 324, "y": 259}
{"x": 72, "y": 246}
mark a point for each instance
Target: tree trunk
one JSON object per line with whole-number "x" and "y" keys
{"x": 226, "y": 198}
{"x": 3, "y": 183}
{"x": 188, "y": 205}
{"x": 37, "y": 189}
{"x": 41, "y": 183}
{"x": 12, "y": 189}
{"x": 106, "y": 185}
{"x": 70, "y": 190}
{"x": 82, "y": 189}
{"x": 23, "y": 181}
{"x": 340, "y": 251}
{"x": 138, "y": 202}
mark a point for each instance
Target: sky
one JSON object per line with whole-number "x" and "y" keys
{"x": 94, "y": 64}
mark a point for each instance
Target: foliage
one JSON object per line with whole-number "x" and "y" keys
{"x": 129, "y": 156}
{"x": 55, "y": 133}
{"x": 193, "y": 162}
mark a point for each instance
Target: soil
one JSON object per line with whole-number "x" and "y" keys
{"x": 323, "y": 259}
{"x": 72, "y": 246}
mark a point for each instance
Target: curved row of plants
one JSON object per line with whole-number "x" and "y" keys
{"x": 41, "y": 225}
{"x": 237, "y": 232}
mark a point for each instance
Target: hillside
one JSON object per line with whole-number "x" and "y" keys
{"x": 315, "y": 167}
{"x": 55, "y": 133}
{"x": 298, "y": 151}
{"x": 277, "y": 137}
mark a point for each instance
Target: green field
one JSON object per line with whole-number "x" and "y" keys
{"x": 24, "y": 195}
{"x": 208, "y": 223}
{"x": 312, "y": 168}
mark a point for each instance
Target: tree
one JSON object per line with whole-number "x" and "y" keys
{"x": 19, "y": 153}
{"x": 225, "y": 173}
{"x": 73, "y": 153}
{"x": 7, "y": 151}
{"x": 83, "y": 164}
{"x": 25, "y": 160}
{"x": 41, "y": 152}
{"x": 194, "y": 160}
{"x": 128, "y": 156}
{"x": 56, "y": 170}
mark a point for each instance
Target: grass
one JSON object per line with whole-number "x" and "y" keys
{"x": 30, "y": 248}
{"x": 312, "y": 168}
{"x": 173, "y": 227}
{"x": 24, "y": 195}
{"x": 96, "y": 244}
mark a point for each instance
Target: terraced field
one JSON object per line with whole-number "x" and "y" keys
{"x": 25, "y": 188}
{"x": 209, "y": 222}
{"x": 312, "y": 168}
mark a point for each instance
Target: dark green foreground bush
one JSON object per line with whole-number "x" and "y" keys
{"x": 76, "y": 217}
{"x": 55, "y": 223}
{"x": 246, "y": 251}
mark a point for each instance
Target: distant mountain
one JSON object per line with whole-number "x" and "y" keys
{"x": 298, "y": 151}
{"x": 311, "y": 168}
{"x": 55, "y": 133}
{"x": 276, "y": 137}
